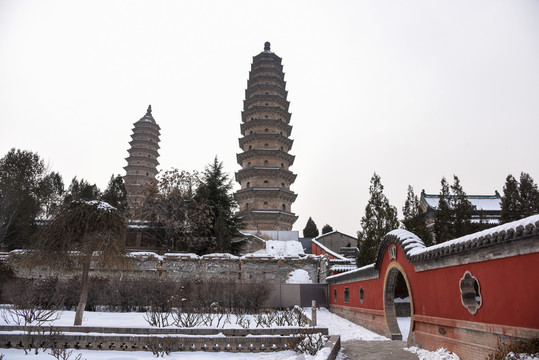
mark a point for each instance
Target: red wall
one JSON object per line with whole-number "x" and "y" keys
{"x": 509, "y": 290}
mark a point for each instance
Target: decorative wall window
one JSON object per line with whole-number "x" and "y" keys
{"x": 266, "y": 129}
{"x": 266, "y": 182}
{"x": 361, "y": 295}
{"x": 250, "y": 147}
{"x": 335, "y": 295}
{"x": 247, "y": 206}
{"x": 346, "y": 295}
{"x": 470, "y": 293}
{"x": 282, "y": 165}
{"x": 266, "y": 162}
{"x": 284, "y": 207}
{"x": 265, "y": 204}
{"x": 248, "y": 184}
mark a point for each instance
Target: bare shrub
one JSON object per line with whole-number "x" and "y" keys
{"x": 161, "y": 346}
{"x": 186, "y": 318}
{"x": 36, "y": 303}
{"x": 36, "y": 339}
{"x": 293, "y": 316}
{"x": 64, "y": 354}
{"x": 155, "y": 317}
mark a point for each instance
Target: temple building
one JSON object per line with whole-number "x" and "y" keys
{"x": 142, "y": 161}
{"x": 265, "y": 197}
{"x": 485, "y": 208}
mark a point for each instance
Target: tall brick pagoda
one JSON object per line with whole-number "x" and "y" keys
{"x": 265, "y": 197}
{"x": 142, "y": 162}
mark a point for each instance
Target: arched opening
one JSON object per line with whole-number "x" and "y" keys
{"x": 397, "y": 303}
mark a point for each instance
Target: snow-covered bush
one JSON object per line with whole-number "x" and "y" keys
{"x": 309, "y": 342}
{"x": 519, "y": 350}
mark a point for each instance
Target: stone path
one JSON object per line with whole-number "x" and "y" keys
{"x": 376, "y": 350}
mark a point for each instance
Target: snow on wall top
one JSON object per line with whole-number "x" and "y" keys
{"x": 406, "y": 240}
{"x": 415, "y": 250}
{"x": 498, "y": 234}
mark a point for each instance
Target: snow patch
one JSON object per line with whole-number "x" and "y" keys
{"x": 299, "y": 276}
{"x": 440, "y": 354}
{"x": 101, "y": 205}
{"x": 280, "y": 249}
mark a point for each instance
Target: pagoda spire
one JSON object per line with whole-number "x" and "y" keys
{"x": 265, "y": 197}
{"x": 142, "y": 161}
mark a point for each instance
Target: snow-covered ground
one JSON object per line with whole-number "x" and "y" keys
{"x": 335, "y": 324}
{"x": 404, "y": 327}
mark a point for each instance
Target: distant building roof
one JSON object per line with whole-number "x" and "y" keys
{"x": 487, "y": 203}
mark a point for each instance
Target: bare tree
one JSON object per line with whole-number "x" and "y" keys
{"x": 176, "y": 221}
{"x": 82, "y": 232}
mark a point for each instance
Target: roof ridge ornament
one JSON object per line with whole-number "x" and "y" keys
{"x": 149, "y": 111}
{"x": 267, "y": 46}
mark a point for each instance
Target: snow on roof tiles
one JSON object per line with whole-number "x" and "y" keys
{"x": 479, "y": 202}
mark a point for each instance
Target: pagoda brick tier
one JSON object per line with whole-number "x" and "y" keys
{"x": 142, "y": 161}
{"x": 265, "y": 197}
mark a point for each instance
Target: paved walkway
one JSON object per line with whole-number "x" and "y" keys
{"x": 376, "y": 350}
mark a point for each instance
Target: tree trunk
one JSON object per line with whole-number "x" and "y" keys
{"x": 83, "y": 292}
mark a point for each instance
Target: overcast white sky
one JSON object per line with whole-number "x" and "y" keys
{"x": 414, "y": 90}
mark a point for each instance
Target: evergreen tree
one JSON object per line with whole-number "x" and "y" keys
{"x": 326, "y": 229}
{"x": 21, "y": 177}
{"x": 443, "y": 229}
{"x": 414, "y": 219}
{"x": 310, "y": 231}
{"x": 379, "y": 219}
{"x": 462, "y": 210}
{"x": 81, "y": 191}
{"x": 115, "y": 193}
{"x": 216, "y": 191}
{"x": 51, "y": 192}
{"x": 510, "y": 201}
{"x": 520, "y": 199}
{"x": 529, "y": 196}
